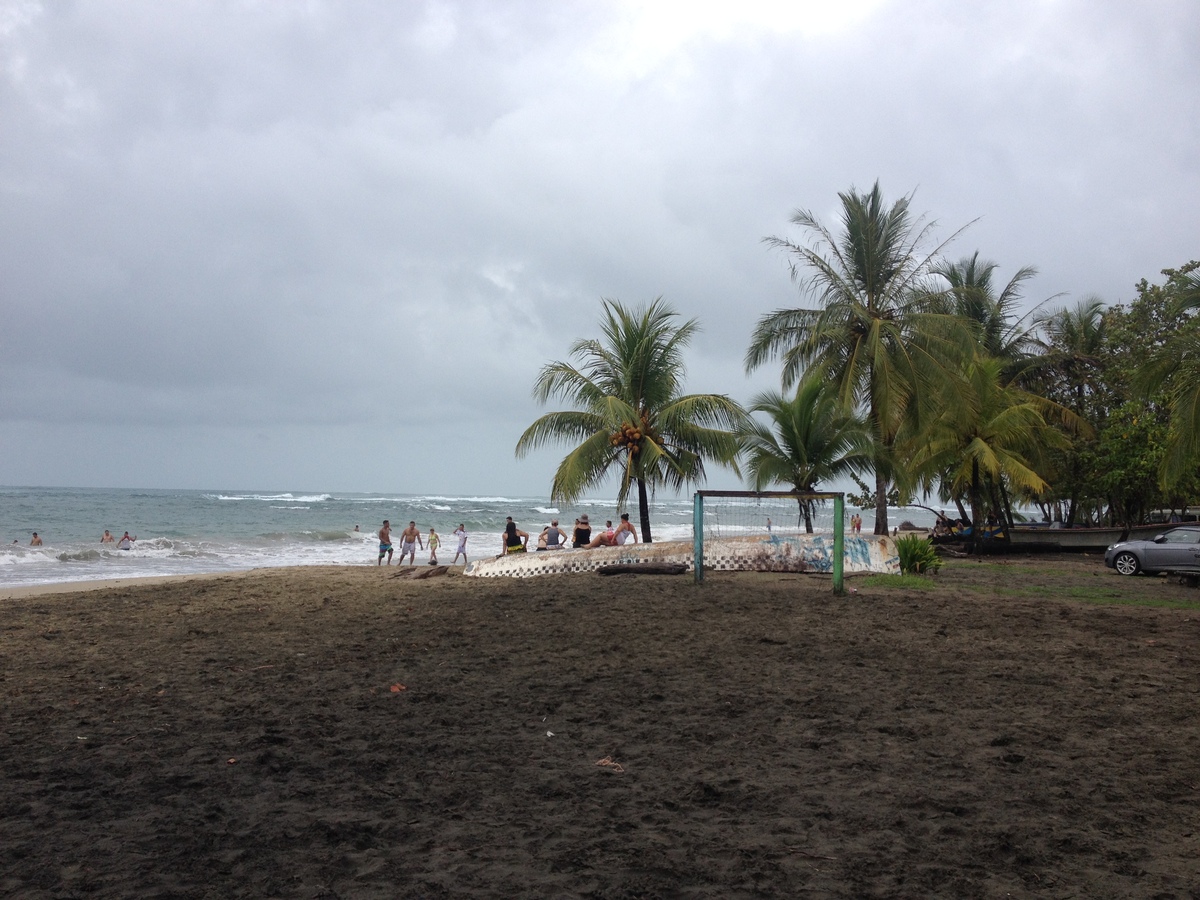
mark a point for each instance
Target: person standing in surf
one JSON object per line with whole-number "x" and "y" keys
{"x": 433, "y": 542}
{"x": 461, "y": 534}
{"x": 410, "y": 539}
{"x": 385, "y": 543}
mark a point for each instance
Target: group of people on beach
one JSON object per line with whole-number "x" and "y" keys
{"x": 555, "y": 538}
{"x": 410, "y": 541}
{"x": 514, "y": 540}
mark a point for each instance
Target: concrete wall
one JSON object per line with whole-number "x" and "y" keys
{"x": 863, "y": 553}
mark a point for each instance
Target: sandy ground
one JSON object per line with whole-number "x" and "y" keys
{"x": 345, "y": 733}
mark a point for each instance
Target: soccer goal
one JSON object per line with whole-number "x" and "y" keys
{"x": 768, "y": 531}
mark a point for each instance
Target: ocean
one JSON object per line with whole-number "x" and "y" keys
{"x": 193, "y": 532}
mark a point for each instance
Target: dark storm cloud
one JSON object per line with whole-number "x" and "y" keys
{"x": 329, "y": 245}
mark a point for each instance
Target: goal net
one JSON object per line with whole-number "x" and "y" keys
{"x": 768, "y": 531}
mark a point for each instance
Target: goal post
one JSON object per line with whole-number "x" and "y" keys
{"x": 763, "y": 519}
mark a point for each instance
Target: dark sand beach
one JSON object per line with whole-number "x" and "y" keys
{"x": 345, "y": 733}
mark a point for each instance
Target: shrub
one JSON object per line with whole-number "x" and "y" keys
{"x": 917, "y": 556}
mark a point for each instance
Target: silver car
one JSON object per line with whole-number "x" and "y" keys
{"x": 1177, "y": 550}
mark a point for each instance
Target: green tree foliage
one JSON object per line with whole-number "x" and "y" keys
{"x": 630, "y": 414}
{"x": 879, "y": 332}
{"x": 1126, "y": 370}
{"x": 987, "y": 433}
{"x": 808, "y": 438}
{"x": 1072, "y": 371}
{"x": 1174, "y": 369}
{"x": 997, "y": 328}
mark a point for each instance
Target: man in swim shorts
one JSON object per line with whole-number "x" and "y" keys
{"x": 410, "y": 539}
{"x": 385, "y": 542}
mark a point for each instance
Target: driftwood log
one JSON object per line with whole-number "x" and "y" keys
{"x": 417, "y": 573}
{"x": 643, "y": 569}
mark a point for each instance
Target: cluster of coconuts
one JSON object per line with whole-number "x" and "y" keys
{"x": 629, "y": 436}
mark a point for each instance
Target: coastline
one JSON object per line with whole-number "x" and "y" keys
{"x": 25, "y": 591}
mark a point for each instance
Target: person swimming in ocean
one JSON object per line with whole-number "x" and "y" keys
{"x": 126, "y": 542}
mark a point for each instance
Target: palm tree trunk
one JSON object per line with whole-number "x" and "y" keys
{"x": 881, "y": 479}
{"x": 806, "y": 510}
{"x": 1008, "y": 516}
{"x": 976, "y": 509}
{"x": 881, "y": 505}
{"x": 644, "y": 511}
{"x": 962, "y": 513}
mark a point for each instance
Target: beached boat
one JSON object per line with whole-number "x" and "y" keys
{"x": 1148, "y": 532}
{"x": 1043, "y": 537}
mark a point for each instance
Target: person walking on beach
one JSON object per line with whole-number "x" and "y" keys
{"x": 461, "y": 533}
{"x": 410, "y": 539}
{"x": 515, "y": 540}
{"x": 433, "y": 543}
{"x": 385, "y": 543}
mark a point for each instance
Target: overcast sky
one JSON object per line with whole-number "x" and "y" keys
{"x": 328, "y": 245}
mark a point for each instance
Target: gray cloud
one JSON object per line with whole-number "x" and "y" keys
{"x": 328, "y": 246}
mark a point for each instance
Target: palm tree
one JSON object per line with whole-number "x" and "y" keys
{"x": 880, "y": 333}
{"x": 630, "y": 414}
{"x": 1070, "y": 364}
{"x": 1176, "y": 369}
{"x": 987, "y": 433}
{"x": 998, "y": 330}
{"x": 810, "y": 439}
{"x": 1069, "y": 371}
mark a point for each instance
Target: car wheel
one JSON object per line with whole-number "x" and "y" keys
{"x": 1127, "y": 564}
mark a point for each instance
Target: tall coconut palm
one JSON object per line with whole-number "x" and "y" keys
{"x": 810, "y": 438}
{"x": 631, "y": 417}
{"x": 998, "y": 329}
{"x": 1072, "y": 347}
{"x": 1070, "y": 371}
{"x": 879, "y": 334}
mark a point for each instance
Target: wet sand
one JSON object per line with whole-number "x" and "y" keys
{"x": 344, "y": 733}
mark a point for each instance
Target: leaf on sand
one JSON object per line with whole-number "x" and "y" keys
{"x": 609, "y": 763}
{"x": 397, "y": 688}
